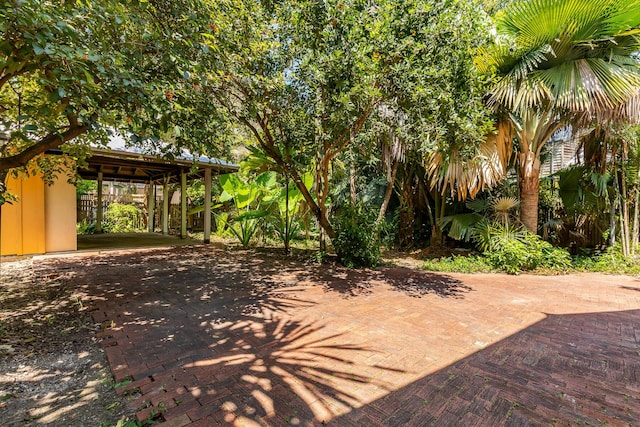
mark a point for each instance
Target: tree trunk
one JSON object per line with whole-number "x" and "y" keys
{"x": 286, "y": 217}
{"x": 626, "y": 245}
{"x": 529, "y": 183}
{"x": 387, "y": 196}
{"x": 352, "y": 185}
{"x": 405, "y": 226}
{"x": 612, "y": 214}
{"x": 634, "y": 233}
{"x": 407, "y": 214}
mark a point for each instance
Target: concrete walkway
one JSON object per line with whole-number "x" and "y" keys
{"x": 209, "y": 337}
{"x": 110, "y": 241}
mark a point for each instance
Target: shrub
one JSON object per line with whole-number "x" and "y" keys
{"x": 85, "y": 227}
{"x": 530, "y": 253}
{"x": 356, "y": 243}
{"x": 121, "y": 218}
{"x": 611, "y": 261}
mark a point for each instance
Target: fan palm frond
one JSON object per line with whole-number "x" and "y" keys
{"x": 571, "y": 54}
{"x": 465, "y": 176}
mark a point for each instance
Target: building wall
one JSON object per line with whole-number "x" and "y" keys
{"x": 60, "y": 216}
{"x": 43, "y": 219}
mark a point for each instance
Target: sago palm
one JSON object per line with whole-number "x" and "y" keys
{"x": 560, "y": 62}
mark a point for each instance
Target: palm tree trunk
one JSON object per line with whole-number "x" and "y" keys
{"x": 635, "y": 231}
{"x": 529, "y": 183}
{"x": 436, "y": 231}
{"x": 612, "y": 213}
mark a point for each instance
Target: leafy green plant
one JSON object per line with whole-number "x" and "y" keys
{"x": 85, "y": 227}
{"x": 288, "y": 203}
{"x": 355, "y": 241}
{"x": 222, "y": 223}
{"x": 251, "y": 200}
{"x": 122, "y": 218}
{"x": 494, "y": 211}
{"x": 611, "y": 261}
{"x": 525, "y": 254}
{"x": 489, "y": 235}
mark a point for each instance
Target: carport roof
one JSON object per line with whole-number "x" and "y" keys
{"x": 128, "y": 166}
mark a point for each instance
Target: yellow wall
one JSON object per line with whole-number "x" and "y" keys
{"x": 11, "y": 227}
{"x": 60, "y": 218}
{"x": 42, "y": 219}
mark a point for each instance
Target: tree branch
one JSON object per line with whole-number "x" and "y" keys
{"x": 4, "y": 79}
{"x": 52, "y": 140}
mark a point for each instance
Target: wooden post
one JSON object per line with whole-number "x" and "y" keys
{"x": 165, "y": 205}
{"x": 207, "y": 205}
{"x": 151, "y": 206}
{"x": 99, "y": 205}
{"x": 183, "y": 205}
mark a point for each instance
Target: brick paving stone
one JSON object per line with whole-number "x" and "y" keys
{"x": 180, "y": 421}
{"x": 216, "y": 337}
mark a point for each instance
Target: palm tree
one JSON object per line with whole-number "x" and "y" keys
{"x": 559, "y": 62}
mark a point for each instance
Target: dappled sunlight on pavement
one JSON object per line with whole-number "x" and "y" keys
{"x": 202, "y": 335}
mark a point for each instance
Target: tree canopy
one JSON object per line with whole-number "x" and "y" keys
{"x": 558, "y": 63}
{"x": 309, "y": 79}
{"x": 83, "y": 68}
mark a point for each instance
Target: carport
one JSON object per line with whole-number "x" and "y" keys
{"x": 158, "y": 172}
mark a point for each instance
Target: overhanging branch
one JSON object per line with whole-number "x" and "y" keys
{"x": 48, "y": 142}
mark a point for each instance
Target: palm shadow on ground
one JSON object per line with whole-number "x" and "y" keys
{"x": 570, "y": 369}
{"x": 212, "y": 336}
{"x": 204, "y": 332}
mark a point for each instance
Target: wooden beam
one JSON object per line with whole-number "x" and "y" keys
{"x": 99, "y": 205}
{"x": 183, "y": 205}
{"x": 165, "y": 205}
{"x": 207, "y": 205}
{"x": 151, "y": 207}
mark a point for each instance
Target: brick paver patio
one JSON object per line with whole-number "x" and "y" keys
{"x": 210, "y": 337}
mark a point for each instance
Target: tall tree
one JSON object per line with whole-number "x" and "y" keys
{"x": 559, "y": 62}
{"x": 307, "y": 77}
{"x": 73, "y": 68}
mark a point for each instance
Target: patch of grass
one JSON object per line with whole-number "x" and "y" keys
{"x": 609, "y": 262}
{"x": 123, "y": 383}
{"x": 459, "y": 264}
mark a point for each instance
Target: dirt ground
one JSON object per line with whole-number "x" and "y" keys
{"x": 52, "y": 371}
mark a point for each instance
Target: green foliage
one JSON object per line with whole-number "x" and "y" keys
{"x": 610, "y": 261}
{"x": 321, "y": 93}
{"x": 288, "y": 202}
{"x": 222, "y": 223}
{"x": 122, "y": 218}
{"x": 251, "y": 200}
{"x": 355, "y": 242}
{"x": 85, "y": 186}
{"x": 516, "y": 255}
{"x": 85, "y": 227}
{"x": 548, "y": 51}
{"x": 72, "y": 71}
{"x": 490, "y": 235}
{"x": 461, "y": 226}
{"x": 459, "y": 264}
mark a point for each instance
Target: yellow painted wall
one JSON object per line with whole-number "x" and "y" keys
{"x": 43, "y": 219}
{"x": 33, "y": 215}
{"x": 11, "y": 227}
{"x": 60, "y": 218}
